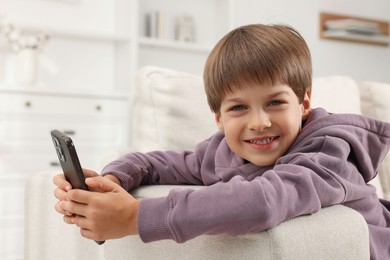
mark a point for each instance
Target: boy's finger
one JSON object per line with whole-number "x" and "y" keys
{"x": 69, "y": 219}
{"x": 60, "y": 181}
{"x": 59, "y": 209}
{"x": 101, "y": 183}
{"x": 80, "y": 196}
{"x": 81, "y": 222}
{"x": 73, "y": 208}
{"x": 60, "y": 194}
{"x": 89, "y": 173}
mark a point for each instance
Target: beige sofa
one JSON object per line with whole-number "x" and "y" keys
{"x": 170, "y": 112}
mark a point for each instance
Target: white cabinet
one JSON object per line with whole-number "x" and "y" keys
{"x": 96, "y": 124}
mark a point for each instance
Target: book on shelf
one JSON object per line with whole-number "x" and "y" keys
{"x": 158, "y": 25}
{"x": 161, "y": 25}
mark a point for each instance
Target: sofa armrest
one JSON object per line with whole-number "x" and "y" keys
{"x": 336, "y": 232}
{"x": 47, "y": 236}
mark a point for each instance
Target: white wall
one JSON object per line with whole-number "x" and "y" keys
{"x": 361, "y": 61}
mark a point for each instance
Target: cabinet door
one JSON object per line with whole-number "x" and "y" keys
{"x": 26, "y": 147}
{"x": 93, "y": 124}
{"x": 57, "y": 105}
{"x": 100, "y": 131}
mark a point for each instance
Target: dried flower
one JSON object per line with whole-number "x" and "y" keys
{"x": 19, "y": 40}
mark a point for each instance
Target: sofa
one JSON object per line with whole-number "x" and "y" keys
{"x": 170, "y": 112}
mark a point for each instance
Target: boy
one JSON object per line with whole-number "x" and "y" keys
{"x": 273, "y": 159}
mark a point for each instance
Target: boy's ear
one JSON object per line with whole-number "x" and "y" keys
{"x": 306, "y": 105}
{"x": 219, "y": 121}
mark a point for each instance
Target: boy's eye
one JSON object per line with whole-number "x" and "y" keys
{"x": 237, "y": 108}
{"x": 275, "y": 102}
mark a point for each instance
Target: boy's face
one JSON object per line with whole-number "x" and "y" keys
{"x": 261, "y": 122}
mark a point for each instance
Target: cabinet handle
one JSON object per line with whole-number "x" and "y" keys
{"x": 99, "y": 108}
{"x": 54, "y": 164}
{"x": 69, "y": 132}
{"x": 27, "y": 104}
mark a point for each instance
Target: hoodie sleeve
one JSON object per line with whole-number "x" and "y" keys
{"x": 168, "y": 167}
{"x": 300, "y": 183}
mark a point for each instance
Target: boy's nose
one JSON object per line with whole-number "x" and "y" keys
{"x": 259, "y": 121}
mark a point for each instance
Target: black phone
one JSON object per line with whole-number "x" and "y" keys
{"x": 69, "y": 161}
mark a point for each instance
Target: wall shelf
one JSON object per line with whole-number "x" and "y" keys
{"x": 35, "y": 90}
{"x": 167, "y": 44}
{"x": 78, "y": 34}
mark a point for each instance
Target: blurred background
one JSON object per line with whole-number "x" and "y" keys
{"x": 70, "y": 65}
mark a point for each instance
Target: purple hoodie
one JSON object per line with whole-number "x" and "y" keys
{"x": 330, "y": 162}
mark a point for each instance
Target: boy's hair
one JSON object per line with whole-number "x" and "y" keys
{"x": 257, "y": 54}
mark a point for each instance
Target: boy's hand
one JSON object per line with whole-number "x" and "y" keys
{"x": 63, "y": 186}
{"x": 111, "y": 213}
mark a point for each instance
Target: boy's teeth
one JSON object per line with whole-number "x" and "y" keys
{"x": 264, "y": 141}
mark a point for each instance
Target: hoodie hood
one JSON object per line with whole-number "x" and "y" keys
{"x": 369, "y": 139}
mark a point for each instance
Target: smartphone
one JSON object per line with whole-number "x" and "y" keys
{"x": 69, "y": 161}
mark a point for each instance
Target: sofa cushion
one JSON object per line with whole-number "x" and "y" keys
{"x": 170, "y": 110}
{"x": 337, "y": 94}
{"x": 376, "y": 104}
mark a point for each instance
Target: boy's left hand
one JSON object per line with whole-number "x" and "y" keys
{"x": 111, "y": 213}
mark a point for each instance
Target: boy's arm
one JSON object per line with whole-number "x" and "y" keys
{"x": 161, "y": 167}
{"x": 301, "y": 184}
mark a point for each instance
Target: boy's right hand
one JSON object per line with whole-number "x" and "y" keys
{"x": 63, "y": 186}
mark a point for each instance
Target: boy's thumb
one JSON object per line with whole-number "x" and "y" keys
{"x": 100, "y": 183}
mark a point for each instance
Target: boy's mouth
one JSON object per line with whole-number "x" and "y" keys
{"x": 262, "y": 141}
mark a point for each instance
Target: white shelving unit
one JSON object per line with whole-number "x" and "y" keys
{"x": 85, "y": 78}
{"x": 211, "y": 20}
{"x": 106, "y": 59}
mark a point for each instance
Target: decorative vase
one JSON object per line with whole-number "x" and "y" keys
{"x": 26, "y": 66}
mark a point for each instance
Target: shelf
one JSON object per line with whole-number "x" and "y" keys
{"x": 36, "y": 90}
{"x": 78, "y": 34}
{"x": 152, "y": 42}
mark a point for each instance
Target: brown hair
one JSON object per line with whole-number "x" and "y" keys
{"x": 261, "y": 54}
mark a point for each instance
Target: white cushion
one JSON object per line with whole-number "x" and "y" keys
{"x": 170, "y": 110}
{"x": 376, "y": 104}
{"x": 337, "y": 94}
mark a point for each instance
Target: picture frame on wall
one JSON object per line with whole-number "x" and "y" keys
{"x": 354, "y": 29}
